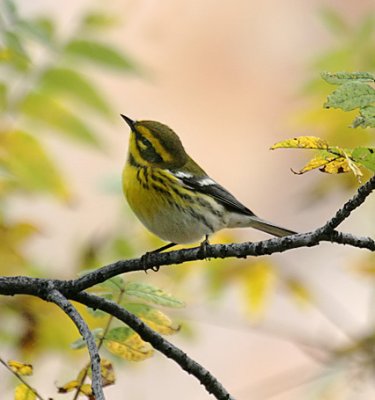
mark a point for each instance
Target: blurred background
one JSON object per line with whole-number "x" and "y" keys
{"x": 231, "y": 78}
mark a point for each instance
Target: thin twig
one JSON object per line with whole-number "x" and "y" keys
{"x": 211, "y": 384}
{"x": 100, "y": 344}
{"x": 363, "y": 192}
{"x": 56, "y": 297}
{"x": 22, "y": 380}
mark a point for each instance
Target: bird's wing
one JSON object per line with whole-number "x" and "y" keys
{"x": 208, "y": 186}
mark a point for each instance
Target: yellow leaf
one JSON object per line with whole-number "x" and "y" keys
{"x": 336, "y": 161}
{"x": 258, "y": 284}
{"x": 329, "y": 164}
{"x": 367, "y": 270}
{"x": 161, "y": 323}
{"x": 316, "y": 162}
{"x": 302, "y": 142}
{"x": 20, "y": 368}
{"x": 86, "y": 389}
{"x": 68, "y": 387}
{"x": 29, "y": 165}
{"x": 12, "y": 237}
{"x": 108, "y": 374}
{"x": 22, "y": 392}
{"x": 299, "y": 292}
{"x": 366, "y": 266}
{"x": 132, "y": 348}
{"x": 154, "y": 318}
{"x": 82, "y": 373}
{"x": 73, "y": 386}
{"x": 338, "y": 165}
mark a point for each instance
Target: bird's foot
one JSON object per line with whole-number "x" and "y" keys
{"x": 202, "y": 252}
{"x": 145, "y": 259}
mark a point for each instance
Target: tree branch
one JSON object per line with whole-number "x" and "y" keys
{"x": 237, "y": 250}
{"x": 363, "y": 192}
{"x": 211, "y": 384}
{"x": 58, "y": 291}
{"x": 56, "y": 297}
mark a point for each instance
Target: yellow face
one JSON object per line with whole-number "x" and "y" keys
{"x": 154, "y": 144}
{"x": 146, "y": 148}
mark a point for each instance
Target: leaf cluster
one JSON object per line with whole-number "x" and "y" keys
{"x": 354, "y": 92}
{"x": 46, "y": 85}
{"x": 120, "y": 340}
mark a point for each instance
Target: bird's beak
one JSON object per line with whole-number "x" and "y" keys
{"x": 129, "y": 121}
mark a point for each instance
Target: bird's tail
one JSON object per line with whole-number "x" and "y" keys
{"x": 268, "y": 227}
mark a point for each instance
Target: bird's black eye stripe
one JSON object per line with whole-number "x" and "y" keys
{"x": 147, "y": 150}
{"x": 143, "y": 140}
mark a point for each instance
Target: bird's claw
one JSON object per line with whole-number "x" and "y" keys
{"x": 203, "y": 248}
{"x": 145, "y": 260}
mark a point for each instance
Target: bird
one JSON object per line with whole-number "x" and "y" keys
{"x": 173, "y": 196}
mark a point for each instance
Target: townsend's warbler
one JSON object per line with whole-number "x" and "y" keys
{"x": 172, "y": 195}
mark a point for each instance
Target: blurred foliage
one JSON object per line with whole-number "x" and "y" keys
{"x": 44, "y": 91}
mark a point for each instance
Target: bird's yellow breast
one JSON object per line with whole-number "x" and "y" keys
{"x": 174, "y": 215}
{"x": 138, "y": 194}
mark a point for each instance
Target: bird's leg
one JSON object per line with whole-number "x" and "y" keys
{"x": 203, "y": 247}
{"x": 145, "y": 256}
{"x": 162, "y": 248}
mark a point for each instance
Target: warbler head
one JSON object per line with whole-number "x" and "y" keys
{"x": 153, "y": 143}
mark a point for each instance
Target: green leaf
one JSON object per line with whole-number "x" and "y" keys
{"x": 13, "y": 41}
{"x": 122, "y": 248}
{"x": 17, "y": 54}
{"x": 72, "y": 83}
{"x": 339, "y": 78}
{"x": 3, "y": 96}
{"x": 96, "y": 20}
{"x": 48, "y": 111}
{"x": 365, "y": 156}
{"x": 119, "y": 334}
{"x": 114, "y": 283}
{"x": 81, "y": 343}
{"x": 366, "y": 118}
{"x": 40, "y": 29}
{"x": 30, "y": 166}
{"x": 10, "y": 9}
{"x": 100, "y": 53}
{"x": 351, "y": 95}
{"x": 152, "y": 294}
